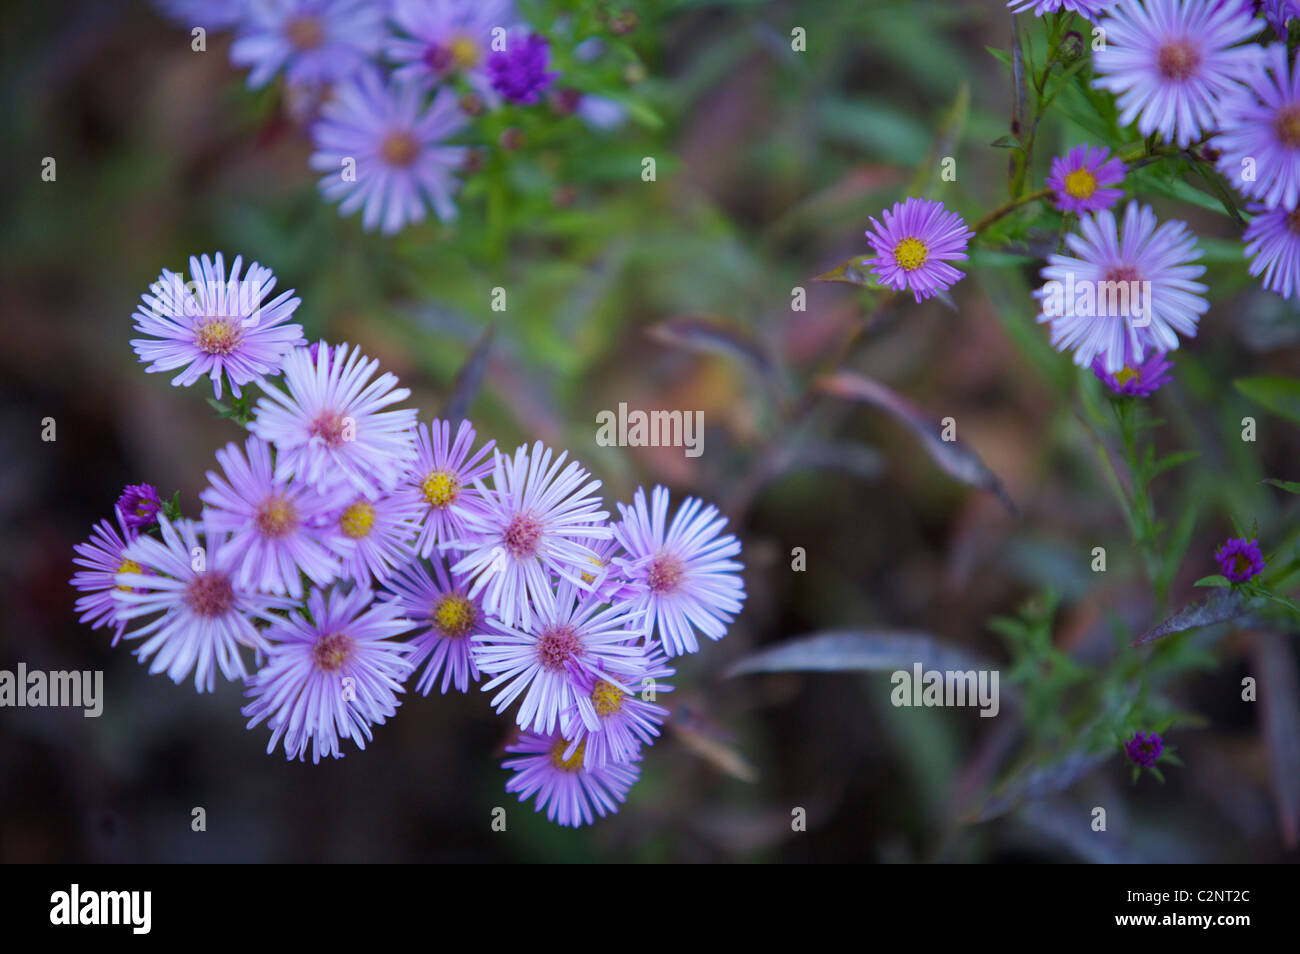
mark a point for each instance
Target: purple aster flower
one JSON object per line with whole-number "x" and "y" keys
{"x": 216, "y": 324}
{"x": 1131, "y": 290}
{"x": 1259, "y": 134}
{"x": 915, "y": 244}
{"x": 275, "y": 524}
{"x": 573, "y": 635}
{"x": 628, "y": 720}
{"x": 1170, "y": 62}
{"x": 103, "y": 558}
{"x": 1240, "y": 559}
{"x": 1137, "y": 378}
{"x": 1080, "y": 178}
{"x": 381, "y": 148}
{"x": 1273, "y": 243}
{"x": 532, "y": 524}
{"x": 443, "y": 38}
{"x": 315, "y": 42}
{"x": 684, "y": 577}
{"x": 139, "y": 504}
{"x": 329, "y": 425}
{"x": 1145, "y": 749}
{"x": 374, "y": 537}
{"x": 205, "y": 615}
{"x": 519, "y": 72}
{"x": 451, "y": 616}
{"x": 1086, "y": 8}
{"x": 440, "y": 484}
{"x": 330, "y": 674}
{"x": 566, "y": 788}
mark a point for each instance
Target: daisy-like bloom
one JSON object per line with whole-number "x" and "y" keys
{"x": 446, "y": 38}
{"x": 205, "y": 615}
{"x": 574, "y": 635}
{"x": 1240, "y": 559}
{"x": 1129, "y": 290}
{"x": 1277, "y": 13}
{"x": 1138, "y": 378}
{"x": 103, "y": 558}
{"x": 374, "y": 537}
{"x": 532, "y": 524}
{"x": 566, "y": 788}
{"x": 1259, "y": 134}
{"x": 1040, "y": 8}
{"x": 329, "y": 426}
{"x": 315, "y": 42}
{"x": 275, "y": 526}
{"x": 381, "y": 148}
{"x": 1080, "y": 179}
{"x": 914, "y": 246}
{"x": 216, "y": 324}
{"x": 682, "y": 573}
{"x": 1273, "y": 243}
{"x": 330, "y": 675}
{"x": 628, "y": 720}
{"x": 139, "y": 505}
{"x": 519, "y": 72}
{"x": 440, "y": 484}
{"x": 1171, "y": 62}
{"x": 1144, "y": 749}
{"x": 450, "y": 617}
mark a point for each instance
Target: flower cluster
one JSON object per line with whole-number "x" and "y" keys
{"x": 394, "y": 88}
{"x": 352, "y": 547}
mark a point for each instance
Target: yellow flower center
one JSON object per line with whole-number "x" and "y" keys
{"x": 591, "y": 577}
{"x": 574, "y": 761}
{"x": 464, "y": 52}
{"x": 440, "y": 488}
{"x": 911, "y": 253}
{"x": 276, "y": 517}
{"x": 1127, "y": 374}
{"x": 218, "y": 335}
{"x": 607, "y": 698}
{"x": 358, "y": 519}
{"x": 1080, "y": 184}
{"x": 454, "y": 615}
{"x": 128, "y": 566}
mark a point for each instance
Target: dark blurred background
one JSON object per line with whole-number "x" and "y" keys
{"x": 770, "y": 162}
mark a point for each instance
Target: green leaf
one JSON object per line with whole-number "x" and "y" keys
{"x": 1290, "y": 486}
{"x": 1213, "y": 580}
{"x": 1279, "y": 395}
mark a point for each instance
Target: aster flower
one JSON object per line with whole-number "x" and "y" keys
{"x": 1273, "y": 243}
{"x": 216, "y": 324}
{"x": 519, "y": 72}
{"x": 1040, "y": 8}
{"x": 440, "y": 484}
{"x": 573, "y": 635}
{"x": 1240, "y": 559}
{"x": 331, "y": 674}
{"x": 684, "y": 577}
{"x": 205, "y": 616}
{"x": 445, "y": 38}
{"x": 531, "y": 525}
{"x": 628, "y": 720}
{"x": 381, "y": 148}
{"x": 139, "y": 505}
{"x": 1170, "y": 62}
{"x": 315, "y": 42}
{"x": 374, "y": 537}
{"x": 1091, "y": 300}
{"x": 275, "y": 526}
{"x": 1144, "y": 749}
{"x": 449, "y": 617}
{"x": 566, "y": 788}
{"x": 1137, "y": 378}
{"x": 1259, "y": 136}
{"x": 103, "y": 558}
{"x": 1080, "y": 179}
{"x": 1277, "y": 13}
{"x": 329, "y": 425}
{"x": 914, "y": 246}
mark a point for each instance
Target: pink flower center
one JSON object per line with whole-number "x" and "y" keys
{"x": 330, "y": 427}
{"x": 332, "y": 651}
{"x": 1287, "y": 126}
{"x": 1178, "y": 60}
{"x": 522, "y": 535}
{"x": 399, "y": 148}
{"x": 557, "y": 646}
{"x": 1293, "y": 221}
{"x": 666, "y": 572}
{"x": 276, "y": 516}
{"x": 305, "y": 33}
{"x": 210, "y": 594}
